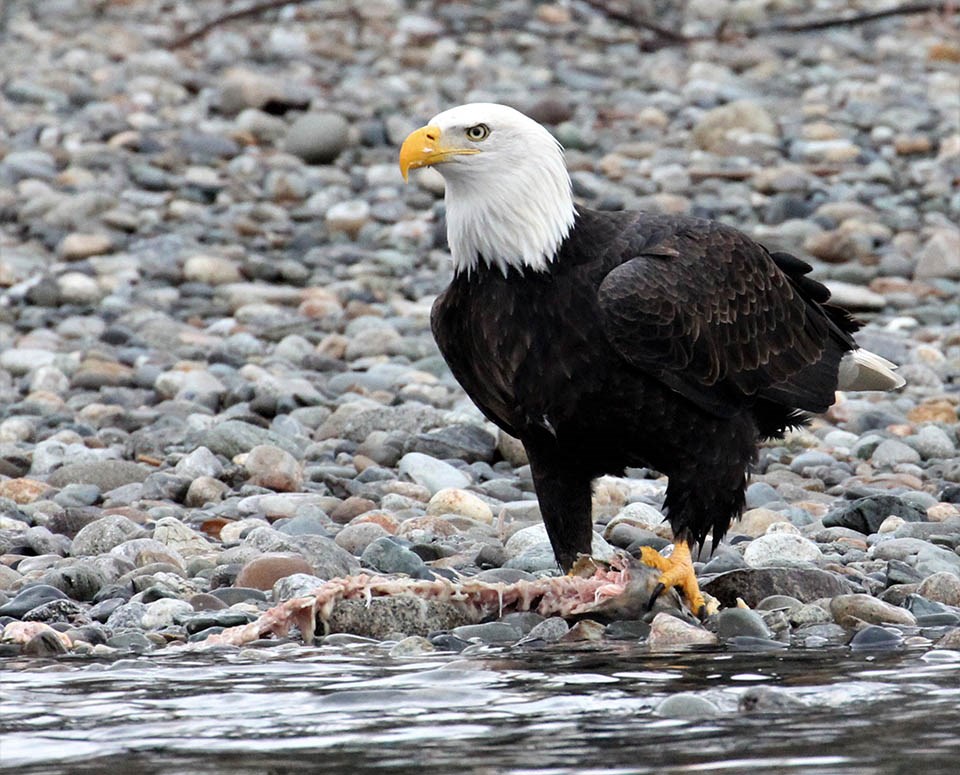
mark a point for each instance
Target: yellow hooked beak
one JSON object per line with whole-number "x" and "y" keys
{"x": 425, "y": 147}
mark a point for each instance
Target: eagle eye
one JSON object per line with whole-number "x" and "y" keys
{"x": 478, "y": 132}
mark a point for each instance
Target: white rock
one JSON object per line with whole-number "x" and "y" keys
{"x": 781, "y": 549}
{"x": 455, "y": 501}
{"x": 348, "y": 216}
{"x": 212, "y": 270}
{"x": 433, "y": 474}
{"x": 536, "y": 535}
{"x": 162, "y": 613}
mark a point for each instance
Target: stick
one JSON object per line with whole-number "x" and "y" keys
{"x": 667, "y": 37}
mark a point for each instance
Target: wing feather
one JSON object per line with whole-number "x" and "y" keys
{"x": 720, "y": 320}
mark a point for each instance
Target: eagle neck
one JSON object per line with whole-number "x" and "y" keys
{"x": 509, "y": 222}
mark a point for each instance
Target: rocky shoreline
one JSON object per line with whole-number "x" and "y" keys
{"x": 218, "y": 388}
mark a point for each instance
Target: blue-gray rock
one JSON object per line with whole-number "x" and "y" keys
{"x": 80, "y": 580}
{"x": 132, "y": 641}
{"x": 234, "y": 437}
{"x": 19, "y": 165}
{"x": 865, "y": 515}
{"x": 105, "y": 474}
{"x": 200, "y": 462}
{"x": 760, "y": 494}
{"x": 933, "y": 559}
{"x": 41, "y": 541}
{"x": 204, "y": 620}
{"x": 318, "y": 138}
{"x": 464, "y": 442}
{"x": 532, "y": 560}
{"x": 737, "y": 622}
{"x": 932, "y": 442}
{"x": 78, "y": 494}
{"x": 306, "y": 524}
{"x": 29, "y": 598}
{"x": 811, "y": 459}
{"x": 489, "y": 632}
{"x": 876, "y": 638}
{"x": 386, "y": 555}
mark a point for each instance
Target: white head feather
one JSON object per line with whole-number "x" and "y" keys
{"x": 511, "y": 203}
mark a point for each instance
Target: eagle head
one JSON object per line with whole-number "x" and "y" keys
{"x": 508, "y": 194}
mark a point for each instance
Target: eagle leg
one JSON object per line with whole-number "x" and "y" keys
{"x": 676, "y": 571}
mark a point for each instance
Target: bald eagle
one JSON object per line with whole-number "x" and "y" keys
{"x": 606, "y": 340}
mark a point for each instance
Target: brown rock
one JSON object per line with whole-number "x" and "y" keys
{"x": 96, "y": 373}
{"x": 934, "y": 410}
{"x": 352, "y": 507}
{"x": 77, "y": 246}
{"x": 755, "y": 522}
{"x": 941, "y": 587}
{"x": 385, "y": 519}
{"x": 668, "y": 633}
{"x": 944, "y": 51}
{"x": 723, "y": 130}
{"x": 274, "y": 468}
{"x": 22, "y": 490}
{"x": 584, "y": 630}
{"x": 908, "y": 145}
{"x": 849, "y": 610}
{"x": 264, "y": 571}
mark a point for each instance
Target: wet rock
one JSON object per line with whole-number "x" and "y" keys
{"x": 29, "y": 598}
{"x": 385, "y": 616}
{"x": 687, "y": 705}
{"x": 669, "y": 633}
{"x": 738, "y": 622}
{"x": 489, "y": 632}
{"x": 769, "y": 699}
{"x": 872, "y": 638}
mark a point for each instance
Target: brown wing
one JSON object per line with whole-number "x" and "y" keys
{"x": 720, "y": 320}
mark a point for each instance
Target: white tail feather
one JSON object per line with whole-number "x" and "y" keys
{"x": 863, "y": 370}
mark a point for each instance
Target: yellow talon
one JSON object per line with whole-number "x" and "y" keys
{"x": 677, "y": 571}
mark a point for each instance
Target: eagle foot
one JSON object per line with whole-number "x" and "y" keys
{"x": 676, "y": 571}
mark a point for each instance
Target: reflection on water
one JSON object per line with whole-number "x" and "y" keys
{"x": 548, "y": 712}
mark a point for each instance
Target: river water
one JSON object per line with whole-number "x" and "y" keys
{"x": 352, "y": 709}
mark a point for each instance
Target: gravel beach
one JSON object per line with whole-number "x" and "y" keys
{"x": 218, "y": 386}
